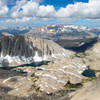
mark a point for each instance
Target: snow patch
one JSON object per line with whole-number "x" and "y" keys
{"x": 37, "y": 58}
{"x": 9, "y": 58}
{"x": 53, "y": 55}
{"x": 19, "y": 59}
{"x": 6, "y": 80}
{"x": 96, "y": 50}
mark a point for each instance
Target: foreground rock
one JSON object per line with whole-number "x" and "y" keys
{"x": 90, "y": 91}
{"x": 54, "y": 77}
{"x": 47, "y": 79}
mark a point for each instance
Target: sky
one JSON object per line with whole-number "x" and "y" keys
{"x": 44, "y": 12}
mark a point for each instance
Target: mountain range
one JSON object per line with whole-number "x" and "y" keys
{"x": 59, "y": 32}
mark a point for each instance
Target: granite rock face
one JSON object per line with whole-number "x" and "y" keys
{"x": 29, "y": 49}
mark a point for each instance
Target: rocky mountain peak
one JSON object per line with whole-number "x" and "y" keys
{"x": 25, "y": 48}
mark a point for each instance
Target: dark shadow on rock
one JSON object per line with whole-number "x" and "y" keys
{"x": 70, "y": 44}
{"x": 5, "y": 89}
{"x": 89, "y": 73}
{"x": 85, "y": 46}
{"x": 8, "y": 72}
{"x": 17, "y": 46}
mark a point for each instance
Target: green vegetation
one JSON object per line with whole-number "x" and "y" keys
{"x": 73, "y": 86}
{"x": 90, "y": 76}
{"x": 0, "y": 97}
{"x": 89, "y": 79}
{"x": 96, "y": 71}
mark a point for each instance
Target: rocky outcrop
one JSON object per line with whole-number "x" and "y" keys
{"x": 48, "y": 79}
{"x": 28, "y": 49}
{"x": 54, "y": 77}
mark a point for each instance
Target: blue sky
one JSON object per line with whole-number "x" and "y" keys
{"x": 56, "y": 3}
{"x": 61, "y": 3}
{"x": 43, "y": 12}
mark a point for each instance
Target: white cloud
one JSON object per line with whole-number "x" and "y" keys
{"x": 15, "y": 10}
{"x": 46, "y": 12}
{"x": 26, "y": 10}
{"x": 3, "y": 8}
{"x": 32, "y": 9}
{"x": 90, "y": 10}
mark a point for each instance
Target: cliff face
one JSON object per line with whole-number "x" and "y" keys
{"x": 17, "y": 46}
{"x": 26, "y": 48}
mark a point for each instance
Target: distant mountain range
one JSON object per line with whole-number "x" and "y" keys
{"x": 59, "y": 32}
{"x": 54, "y": 32}
{"x": 68, "y": 36}
{"x": 15, "y": 30}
